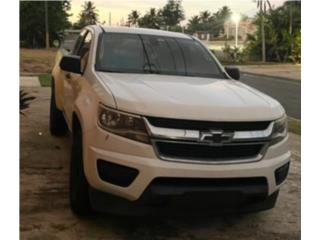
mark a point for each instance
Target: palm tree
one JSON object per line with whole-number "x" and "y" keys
{"x": 88, "y": 15}
{"x": 262, "y": 6}
{"x": 193, "y": 24}
{"x": 204, "y": 16}
{"x": 133, "y": 17}
{"x": 24, "y": 101}
{"x": 151, "y": 19}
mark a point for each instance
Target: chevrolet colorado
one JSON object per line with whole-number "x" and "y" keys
{"x": 157, "y": 124}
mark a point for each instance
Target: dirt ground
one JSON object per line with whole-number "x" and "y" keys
{"x": 45, "y": 213}
{"x": 36, "y": 60}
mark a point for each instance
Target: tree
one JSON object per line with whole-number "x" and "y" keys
{"x": 262, "y": 6}
{"x": 205, "y": 20}
{"x": 32, "y": 21}
{"x": 133, "y": 17}
{"x": 88, "y": 15}
{"x": 282, "y": 42}
{"x": 220, "y": 17}
{"x": 210, "y": 23}
{"x": 172, "y": 13}
{"x": 193, "y": 24}
{"x": 151, "y": 19}
{"x": 205, "y": 16}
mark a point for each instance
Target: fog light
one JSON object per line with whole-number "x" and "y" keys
{"x": 281, "y": 173}
{"x": 116, "y": 174}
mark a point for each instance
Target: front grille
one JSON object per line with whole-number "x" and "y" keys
{"x": 204, "y": 152}
{"x": 214, "y": 142}
{"x": 207, "y": 125}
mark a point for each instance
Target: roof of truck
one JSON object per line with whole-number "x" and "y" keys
{"x": 146, "y": 31}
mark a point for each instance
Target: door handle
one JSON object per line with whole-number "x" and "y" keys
{"x": 68, "y": 75}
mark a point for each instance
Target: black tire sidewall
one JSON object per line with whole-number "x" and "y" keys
{"x": 58, "y": 125}
{"x": 78, "y": 185}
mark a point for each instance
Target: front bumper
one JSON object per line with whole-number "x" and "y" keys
{"x": 114, "y": 149}
{"x": 153, "y": 202}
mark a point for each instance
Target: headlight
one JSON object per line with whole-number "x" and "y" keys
{"x": 280, "y": 129}
{"x": 123, "y": 124}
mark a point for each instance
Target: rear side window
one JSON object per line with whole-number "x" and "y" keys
{"x": 121, "y": 52}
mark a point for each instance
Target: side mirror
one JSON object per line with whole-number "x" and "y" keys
{"x": 71, "y": 63}
{"x": 233, "y": 72}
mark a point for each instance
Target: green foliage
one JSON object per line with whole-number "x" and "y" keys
{"x": 133, "y": 17}
{"x": 167, "y": 17}
{"x": 211, "y": 23}
{"x": 233, "y": 54}
{"x": 25, "y": 100}
{"x": 282, "y": 27}
{"x": 296, "y": 51}
{"x": 172, "y": 13}
{"x": 88, "y": 15}
{"x": 32, "y": 21}
{"x": 151, "y": 19}
{"x": 294, "y": 126}
{"x": 194, "y": 24}
{"x": 45, "y": 80}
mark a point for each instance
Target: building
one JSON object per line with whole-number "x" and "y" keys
{"x": 245, "y": 27}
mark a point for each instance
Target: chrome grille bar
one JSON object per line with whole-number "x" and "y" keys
{"x": 195, "y": 135}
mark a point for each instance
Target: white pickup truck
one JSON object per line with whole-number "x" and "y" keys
{"x": 158, "y": 125}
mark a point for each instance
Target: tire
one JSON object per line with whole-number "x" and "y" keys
{"x": 58, "y": 125}
{"x": 78, "y": 185}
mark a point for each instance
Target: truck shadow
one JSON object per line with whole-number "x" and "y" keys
{"x": 172, "y": 227}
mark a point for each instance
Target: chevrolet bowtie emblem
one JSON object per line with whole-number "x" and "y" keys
{"x": 216, "y": 137}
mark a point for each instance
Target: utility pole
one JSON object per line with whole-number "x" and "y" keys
{"x": 263, "y": 42}
{"x": 237, "y": 29}
{"x": 109, "y": 18}
{"x": 46, "y": 24}
{"x": 227, "y": 30}
{"x": 290, "y": 24}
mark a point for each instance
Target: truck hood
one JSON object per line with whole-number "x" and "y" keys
{"x": 193, "y": 98}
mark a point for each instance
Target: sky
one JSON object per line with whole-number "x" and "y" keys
{"x": 120, "y": 9}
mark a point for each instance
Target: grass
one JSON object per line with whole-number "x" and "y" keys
{"x": 37, "y": 60}
{"x": 294, "y": 126}
{"x": 45, "y": 80}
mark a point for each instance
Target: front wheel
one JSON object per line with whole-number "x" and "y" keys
{"x": 58, "y": 125}
{"x": 78, "y": 185}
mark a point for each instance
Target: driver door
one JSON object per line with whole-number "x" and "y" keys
{"x": 71, "y": 80}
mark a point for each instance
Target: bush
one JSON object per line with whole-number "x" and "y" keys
{"x": 233, "y": 54}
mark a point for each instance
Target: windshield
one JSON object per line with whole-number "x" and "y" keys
{"x": 133, "y": 53}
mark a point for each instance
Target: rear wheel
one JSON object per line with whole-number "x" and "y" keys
{"x": 78, "y": 185}
{"x": 58, "y": 125}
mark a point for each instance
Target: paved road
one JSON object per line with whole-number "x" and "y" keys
{"x": 287, "y": 92}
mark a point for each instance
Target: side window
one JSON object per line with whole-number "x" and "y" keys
{"x": 78, "y": 42}
{"x": 83, "y": 51}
